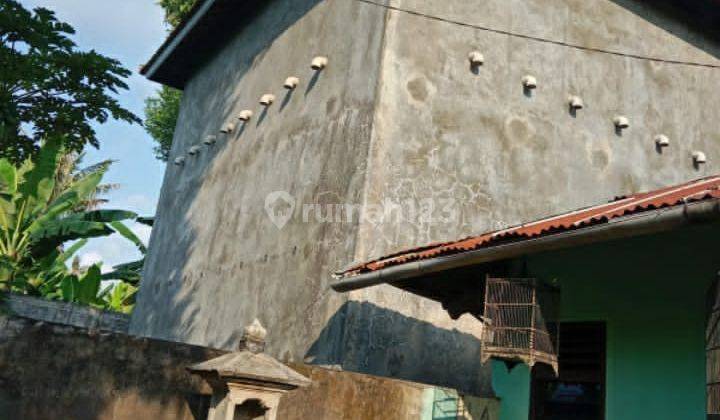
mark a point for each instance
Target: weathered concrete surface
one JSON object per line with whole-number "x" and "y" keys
{"x": 55, "y": 371}
{"x": 66, "y": 313}
{"x": 217, "y": 261}
{"x": 443, "y": 133}
{"x": 399, "y": 116}
{"x": 503, "y": 158}
{"x": 351, "y": 396}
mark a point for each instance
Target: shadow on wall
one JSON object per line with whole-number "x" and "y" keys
{"x": 675, "y": 16}
{"x": 166, "y": 307}
{"x": 224, "y": 99}
{"x": 343, "y": 395}
{"x": 363, "y": 337}
{"x": 59, "y": 372}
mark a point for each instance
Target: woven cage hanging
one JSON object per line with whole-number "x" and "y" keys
{"x": 521, "y": 318}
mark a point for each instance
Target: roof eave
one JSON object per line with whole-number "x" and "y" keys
{"x": 176, "y": 37}
{"x": 645, "y": 223}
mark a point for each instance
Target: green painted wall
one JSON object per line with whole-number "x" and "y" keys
{"x": 513, "y": 388}
{"x": 651, "y": 293}
{"x": 448, "y": 404}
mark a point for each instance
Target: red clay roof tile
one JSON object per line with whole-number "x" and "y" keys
{"x": 701, "y": 189}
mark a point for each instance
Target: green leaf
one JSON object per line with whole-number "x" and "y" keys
{"x": 7, "y": 211}
{"x": 108, "y": 216}
{"x": 86, "y": 186}
{"x": 161, "y": 115}
{"x": 121, "y": 298}
{"x": 129, "y": 235}
{"x": 68, "y": 253}
{"x": 147, "y": 221}
{"x": 32, "y": 231}
{"x": 8, "y": 177}
{"x": 6, "y": 270}
{"x": 23, "y": 169}
{"x": 106, "y": 291}
{"x": 89, "y": 285}
{"x": 81, "y": 190}
{"x": 128, "y": 272}
{"x": 176, "y": 10}
{"x": 40, "y": 180}
{"x": 68, "y": 288}
{"x": 63, "y": 204}
{"x": 50, "y": 86}
{"x": 55, "y": 233}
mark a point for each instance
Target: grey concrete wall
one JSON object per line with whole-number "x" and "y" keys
{"x": 55, "y": 366}
{"x": 445, "y": 133}
{"x": 350, "y": 396}
{"x": 66, "y": 313}
{"x": 398, "y": 116}
{"x": 216, "y": 260}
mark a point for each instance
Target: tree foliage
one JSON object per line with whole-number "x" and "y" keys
{"x": 161, "y": 111}
{"x": 161, "y": 114}
{"x": 37, "y": 219}
{"x": 176, "y": 10}
{"x": 49, "y": 87}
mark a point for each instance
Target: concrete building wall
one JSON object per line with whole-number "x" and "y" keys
{"x": 399, "y": 117}
{"x": 483, "y": 155}
{"x": 217, "y": 260}
{"x": 55, "y": 366}
{"x": 445, "y": 133}
{"x": 350, "y": 396}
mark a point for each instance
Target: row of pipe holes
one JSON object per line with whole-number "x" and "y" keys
{"x": 318, "y": 64}
{"x": 575, "y": 103}
{"x": 477, "y": 59}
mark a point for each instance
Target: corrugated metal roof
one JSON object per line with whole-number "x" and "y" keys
{"x": 701, "y": 189}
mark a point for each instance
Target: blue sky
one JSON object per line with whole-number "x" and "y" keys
{"x": 129, "y": 31}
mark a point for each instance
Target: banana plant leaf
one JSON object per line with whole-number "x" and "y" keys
{"x": 108, "y": 216}
{"x": 40, "y": 180}
{"x": 69, "y": 287}
{"x": 89, "y": 285}
{"x": 55, "y": 233}
{"x": 43, "y": 205}
{"x": 8, "y": 177}
{"x": 128, "y": 272}
{"x": 148, "y": 221}
{"x": 129, "y": 235}
{"x": 121, "y": 298}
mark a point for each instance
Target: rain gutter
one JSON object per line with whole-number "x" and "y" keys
{"x": 644, "y": 223}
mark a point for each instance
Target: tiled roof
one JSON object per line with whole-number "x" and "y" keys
{"x": 701, "y": 189}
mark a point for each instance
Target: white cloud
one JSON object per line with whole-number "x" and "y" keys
{"x": 143, "y": 232}
{"x": 90, "y": 258}
{"x": 114, "y": 249}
